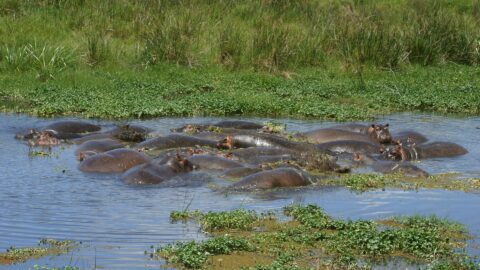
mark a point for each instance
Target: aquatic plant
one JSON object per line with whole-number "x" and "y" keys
{"x": 45, "y": 247}
{"x": 314, "y": 238}
{"x": 194, "y": 255}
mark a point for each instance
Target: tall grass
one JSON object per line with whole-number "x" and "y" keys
{"x": 263, "y": 35}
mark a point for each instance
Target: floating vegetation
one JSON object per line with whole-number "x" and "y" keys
{"x": 35, "y": 153}
{"x": 46, "y": 247}
{"x": 274, "y": 127}
{"x": 364, "y": 182}
{"x": 314, "y": 240}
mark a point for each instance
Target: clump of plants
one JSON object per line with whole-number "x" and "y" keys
{"x": 365, "y": 182}
{"x": 214, "y": 221}
{"x": 45, "y": 247}
{"x": 194, "y": 255}
{"x": 311, "y": 239}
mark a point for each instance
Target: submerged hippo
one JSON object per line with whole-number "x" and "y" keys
{"x": 152, "y": 173}
{"x": 44, "y": 138}
{"x": 422, "y": 151}
{"x": 64, "y": 129}
{"x": 281, "y": 177}
{"x": 231, "y": 124}
{"x": 375, "y": 134}
{"x": 93, "y": 147}
{"x": 210, "y": 162}
{"x": 130, "y": 133}
{"x": 113, "y": 161}
{"x": 409, "y": 136}
{"x": 389, "y": 167}
{"x": 350, "y": 146}
{"x": 240, "y": 172}
{"x": 358, "y": 128}
{"x": 174, "y": 141}
{"x": 124, "y": 133}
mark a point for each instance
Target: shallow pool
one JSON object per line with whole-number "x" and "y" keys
{"x": 48, "y": 196}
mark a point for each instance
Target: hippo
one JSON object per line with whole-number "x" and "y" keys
{"x": 350, "y": 146}
{"x": 358, "y": 128}
{"x": 113, "y": 161}
{"x": 124, "y": 133}
{"x": 91, "y": 137}
{"x": 210, "y": 162}
{"x": 231, "y": 124}
{"x": 409, "y": 136}
{"x": 151, "y": 173}
{"x": 240, "y": 172}
{"x": 389, "y": 167}
{"x": 375, "y": 134}
{"x": 174, "y": 141}
{"x": 62, "y": 130}
{"x": 130, "y": 133}
{"x": 247, "y": 153}
{"x": 44, "y": 138}
{"x": 399, "y": 151}
{"x": 96, "y": 146}
{"x": 281, "y": 177}
{"x": 72, "y": 126}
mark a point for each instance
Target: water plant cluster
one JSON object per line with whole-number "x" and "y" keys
{"x": 313, "y": 240}
{"x": 365, "y": 182}
{"x": 45, "y": 247}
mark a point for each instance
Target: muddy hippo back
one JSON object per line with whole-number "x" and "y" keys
{"x": 441, "y": 149}
{"x": 114, "y": 161}
{"x": 410, "y": 136}
{"x": 148, "y": 174}
{"x": 174, "y": 141}
{"x": 97, "y": 146}
{"x": 358, "y": 128}
{"x": 350, "y": 146}
{"x": 210, "y": 162}
{"x": 282, "y": 177}
{"x": 72, "y": 126}
{"x": 329, "y": 135}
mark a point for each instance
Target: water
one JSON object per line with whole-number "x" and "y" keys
{"x": 48, "y": 197}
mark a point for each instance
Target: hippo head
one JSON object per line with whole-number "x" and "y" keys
{"x": 44, "y": 138}
{"x": 180, "y": 164}
{"x": 394, "y": 152}
{"x": 28, "y": 135}
{"x": 226, "y": 143}
{"x": 130, "y": 133}
{"x": 85, "y": 154}
{"x": 190, "y": 129}
{"x": 380, "y": 133}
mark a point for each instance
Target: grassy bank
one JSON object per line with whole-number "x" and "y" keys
{"x": 339, "y": 60}
{"x": 169, "y": 90}
{"x": 313, "y": 240}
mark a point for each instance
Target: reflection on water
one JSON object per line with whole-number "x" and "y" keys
{"x": 48, "y": 197}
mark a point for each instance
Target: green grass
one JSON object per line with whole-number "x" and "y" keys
{"x": 343, "y": 60}
{"x": 314, "y": 240}
{"x": 365, "y": 182}
{"x": 168, "y": 90}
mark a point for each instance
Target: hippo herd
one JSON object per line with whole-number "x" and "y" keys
{"x": 251, "y": 152}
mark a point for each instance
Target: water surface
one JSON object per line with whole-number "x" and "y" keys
{"x": 48, "y": 196}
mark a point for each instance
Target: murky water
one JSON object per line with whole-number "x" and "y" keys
{"x": 48, "y": 196}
